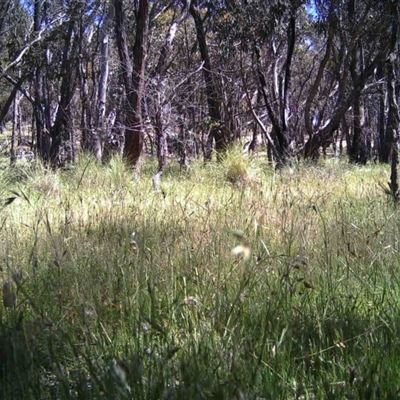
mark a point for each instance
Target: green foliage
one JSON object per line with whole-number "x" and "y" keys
{"x": 239, "y": 168}
{"x": 236, "y": 282}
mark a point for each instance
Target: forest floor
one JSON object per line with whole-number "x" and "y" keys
{"x": 236, "y": 282}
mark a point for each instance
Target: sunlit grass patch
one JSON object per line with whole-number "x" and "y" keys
{"x": 163, "y": 287}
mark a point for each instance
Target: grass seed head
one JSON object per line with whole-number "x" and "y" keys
{"x": 243, "y": 250}
{"x": 190, "y": 301}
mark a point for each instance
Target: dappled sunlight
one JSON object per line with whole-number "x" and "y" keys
{"x": 288, "y": 266}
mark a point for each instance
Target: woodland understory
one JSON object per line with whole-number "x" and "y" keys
{"x": 199, "y": 199}
{"x": 188, "y": 78}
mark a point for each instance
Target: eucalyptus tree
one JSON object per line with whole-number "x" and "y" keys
{"x": 133, "y": 73}
{"x": 311, "y": 65}
{"x": 393, "y": 124}
{"x": 390, "y": 72}
{"x": 159, "y": 81}
{"x": 359, "y": 35}
{"x": 217, "y": 128}
{"x": 31, "y": 26}
{"x": 58, "y": 63}
{"x": 268, "y": 36}
{"x": 100, "y": 125}
{"x": 15, "y": 43}
{"x": 63, "y": 128}
{"x": 14, "y": 29}
{"x": 299, "y": 74}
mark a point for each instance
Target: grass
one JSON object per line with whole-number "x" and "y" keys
{"x": 122, "y": 293}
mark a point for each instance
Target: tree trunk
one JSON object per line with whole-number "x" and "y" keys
{"x": 160, "y": 117}
{"x": 16, "y": 127}
{"x": 383, "y": 152}
{"x": 133, "y": 76}
{"x": 42, "y": 129}
{"x": 217, "y": 128}
{"x": 291, "y": 38}
{"x": 134, "y": 132}
{"x": 315, "y": 86}
{"x": 357, "y": 151}
{"x": 99, "y": 130}
{"x": 392, "y": 126}
{"x": 279, "y": 119}
{"x": 11, "y": 98}
{"x": 281, "y": 143}
{"x": 346, "y": 96}
{"x": 62, "y": 127}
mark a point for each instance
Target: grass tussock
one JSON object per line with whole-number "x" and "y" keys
{"x": 237, "y": 282}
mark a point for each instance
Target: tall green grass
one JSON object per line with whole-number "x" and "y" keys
{"x": 123, "y": 293}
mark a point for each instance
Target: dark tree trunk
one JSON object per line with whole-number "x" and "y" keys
{"x": 281, "y": 143}
{"x": 346, "y": 95}
{"x": 383, "y": 153}
{"x": 182, "y": 136}
{"x": 279, "y": 120}
{"x": 392, "y": 126}
{"x": 217, "y": 128}
{"x": 133, "y": 77}
{"x": 134, "y": 131}
{"x": 325, "y": 135}
{"x": 346, "y": 135}
{"x": 393, "y": 119}
{"x": 11, "y": 98}
{"x": 122, "y": 45}
{"x": 316, "y": 84}
{"x": 61, "y": 129}
{"x": 291, "y": 39}
{"x": 357, "y": 150}
{"x": 42, "y": 128}
{"x": 16, "y": 127}
{"x": 86, "y": 123}
{"x": 254, "y": 139}
{"x": 390, "y": 145}
{"x": 85, "y": 114}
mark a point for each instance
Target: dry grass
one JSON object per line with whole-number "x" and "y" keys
{"x": 115, "y": 276}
